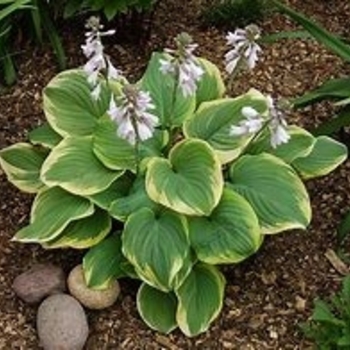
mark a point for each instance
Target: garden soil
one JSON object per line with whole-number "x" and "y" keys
{"x": 269, "y": 295}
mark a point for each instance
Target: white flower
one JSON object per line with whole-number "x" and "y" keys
{"x": 251, "y": 125}
{"x": 244, "y": 47}
{"x": 97, "y": 61}
{"x": 131, "y": 116}
{"x": 184, "y": 65}
{"x": 277, "y": 126}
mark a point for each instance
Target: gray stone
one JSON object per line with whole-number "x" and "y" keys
{"x": 39, "y": 282}
{"x": 91, "y": 298}
{"x": 62, "y": 323}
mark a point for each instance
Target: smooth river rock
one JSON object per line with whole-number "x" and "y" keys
{"x": 39, "y": 282}
{"x": 91, "y": 298}
{"x": 62, "y": 323}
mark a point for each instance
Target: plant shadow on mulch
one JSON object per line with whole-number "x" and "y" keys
{"x": 268, "y": 295}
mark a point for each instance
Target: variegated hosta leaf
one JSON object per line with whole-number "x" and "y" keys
{"x": 274, "y": 190}
{"x": 83, "y": 233}
{"x": 73, "y": 166}
{"x": 200, "y": 299}
{"x": 119, "y": 188}
{"x": 44, "y": 135}
{"x": 157, "y": 308}
{"x": 21, "y": 163}
{"x": 157, "y": 245}
{"x": 300, "y": 144}
{"x": 69, "y": 107}
{"x": 211, "y": 85}
{"x": 213, "y": 120}
{"x": 103, "y": 263}
{"x": 326, "y": 155}
{"x": 172, "y": 111}
{"x": 114, "y": 152}
{"x": 135, "y": 199}
{"x": 229, "y": 235}
{"x": 52, "y": 211}
{"x": 190, "y": 182}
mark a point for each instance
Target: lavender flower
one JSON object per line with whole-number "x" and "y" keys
{"x": 97, "y": 61}
{"x": 183, "y": 64}
{"x": 278, "y": 125}
{"x": 131, "y": 116}
{"x": 245, "y": 49}
{"x": 254, "y": 123}
{"x": 251, "y": 125}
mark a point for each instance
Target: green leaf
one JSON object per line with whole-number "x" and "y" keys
{"x": 172, "y": 111}
{"x": 157, "y": 309}
{"x": 211, "y": 85}
{"x": 300, "y": 144}
{"x": 157, "y": 245}
{"x": 132, "y": 201}
{"x": 331, "y": 89}
{"x": 229, "y": 235}
{"x": 83, "y": 233}
{"x": 323, "y": 313}
{"x": 119, "y": 188}
{"x": 321, "y": 35}
{"x": 114, "y": 152}
{"x": 69, "y": 107}
{"x": 200, "y": 299}
{"x": 103, "y": 263}
{"x": 44, "y": 135}
{"x": 326, "y": 155}
{"x": 344, "y": 227}
{"x": 274, "y": 190}
{"x": 22, "y": 163}
{"x": 334, "y": 124}
{"x": 190, "y": 182}
{"x": 73, "y": 166}
{"x": 52, "y": 211}
{"x": 213, "y": 120}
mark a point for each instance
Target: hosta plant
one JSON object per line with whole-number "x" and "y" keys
{"x": 166, "y": 179}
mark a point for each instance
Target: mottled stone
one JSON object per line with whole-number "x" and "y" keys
{"x": 39, "y": 282}
{"x": 62, "y": 323}
{"x": 89, "y": 297}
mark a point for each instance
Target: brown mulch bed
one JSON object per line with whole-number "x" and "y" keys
{"x": 265, "y": 295}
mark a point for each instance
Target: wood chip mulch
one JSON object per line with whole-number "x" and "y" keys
{"x": 267, "y": 296}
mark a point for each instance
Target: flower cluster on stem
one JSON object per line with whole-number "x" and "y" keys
{"x": 183, "y": 64}
{"x": 130, "y": 112}
{"x": 245, "y": 49}
{"x": 254, "y": 123}
{"x": 97, "y": 62}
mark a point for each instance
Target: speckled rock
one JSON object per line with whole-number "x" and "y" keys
{"x": 39, "y": 282}
{"x": 91, "y": 298}
{"x": 62, "y": 323}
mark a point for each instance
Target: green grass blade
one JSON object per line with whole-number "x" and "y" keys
{"x": 321, "y": 35}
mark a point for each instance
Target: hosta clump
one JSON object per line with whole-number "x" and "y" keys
{"x": 164, "y": 181}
